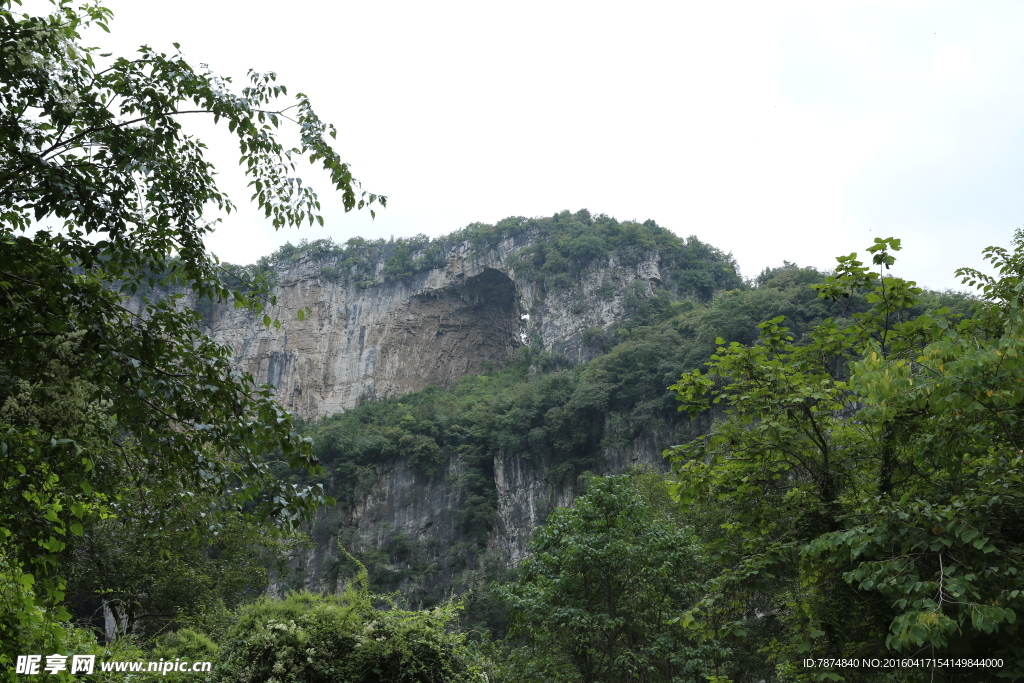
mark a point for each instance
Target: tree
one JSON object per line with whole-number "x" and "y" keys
{"x": 164, "y": 559}
{"x": 95, "y": 395}
{"x": 872, "y": 479}
{"x": 605, "y": 578}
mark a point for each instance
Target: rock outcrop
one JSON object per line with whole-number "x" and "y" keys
{"x": 388, "y": 338}
{"x": 369, "y": 334}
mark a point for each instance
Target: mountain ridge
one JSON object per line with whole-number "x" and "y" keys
{"x": 389, "y": 318}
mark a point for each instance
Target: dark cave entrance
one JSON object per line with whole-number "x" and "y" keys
{"x": 445, "y": 334}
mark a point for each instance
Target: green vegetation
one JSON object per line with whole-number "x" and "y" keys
{"x": 308, "y": 638}
{"x": 849, "y": 484}
{"x": 597, "y": 599}
{"x": 161, "y": 558}
{"x": 566, "y": 244}
{"x": 112, "y": 420}
{"x": 819, "y": 518}
{"x": 871, "y": 478}
{"x": 555, "y": 418}
{"x": 575, "y": 241}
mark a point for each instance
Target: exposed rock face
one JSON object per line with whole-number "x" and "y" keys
{"x": 385, "y": 338}
{"x": 390, "y": 338}
{"x": 525, "y": 496}
{"x": 401, "y": 504}
{"x": 443, "y": 334}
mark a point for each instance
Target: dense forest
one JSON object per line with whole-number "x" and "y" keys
{"x": 837, "y": 501}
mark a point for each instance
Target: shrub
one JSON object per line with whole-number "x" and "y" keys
{"x": 319, "y": 639}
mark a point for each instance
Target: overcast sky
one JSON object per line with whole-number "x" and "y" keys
{"x": 775, "y": 131}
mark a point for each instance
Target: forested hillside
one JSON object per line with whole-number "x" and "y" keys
{"x": 659, "y": 472}
{"x": 559, "y": 419}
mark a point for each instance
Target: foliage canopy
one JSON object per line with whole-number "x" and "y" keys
{"x": 96, "y": 395}
{"x": 872, "y": 476}
{"x": 308, "y": 638}
{"x": 596, "y": 598}
{"x": 564, "y": 245}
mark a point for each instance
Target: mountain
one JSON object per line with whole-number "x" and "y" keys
{"x": 459, "y": 389}
{"x": 520, "y": 304}
{"x": 387, "y": 318}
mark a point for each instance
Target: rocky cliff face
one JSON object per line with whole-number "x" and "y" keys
{"x": 380, "y": 337}
{"x": 385, "y": 339}
{"x": 526, "y": 496}
{"x": 419, "y": 516}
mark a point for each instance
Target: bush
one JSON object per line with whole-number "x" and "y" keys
{"x": 319, "y": 639}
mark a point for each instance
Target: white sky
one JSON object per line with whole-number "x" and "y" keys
{"x": 782, "y": 130}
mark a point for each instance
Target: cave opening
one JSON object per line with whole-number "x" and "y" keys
{"x": 445, "y": 334}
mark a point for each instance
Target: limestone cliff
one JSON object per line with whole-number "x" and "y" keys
{"x": 458, "y": 306}
{"x": 380, "y": 339}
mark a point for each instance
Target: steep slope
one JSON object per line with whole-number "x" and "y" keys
{"x": 437, "y": 485}
{"x": 504, "y": 363}
{"x": 389, "y": 318}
